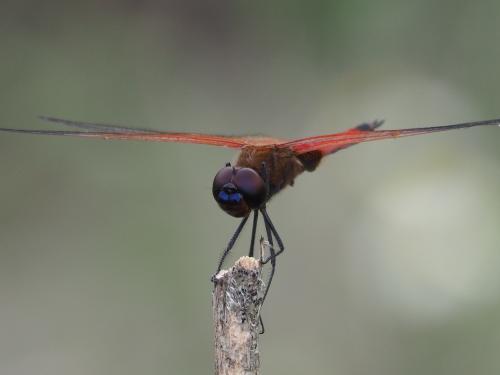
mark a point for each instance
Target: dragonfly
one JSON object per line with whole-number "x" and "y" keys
{"x": 263, "y": 167}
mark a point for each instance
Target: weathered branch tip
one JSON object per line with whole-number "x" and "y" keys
{"x": 237, "y": 298}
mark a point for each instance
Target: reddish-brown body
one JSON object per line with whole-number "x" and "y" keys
{"x": 282, "y": 165}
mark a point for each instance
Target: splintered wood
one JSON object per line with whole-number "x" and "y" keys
{"x": 237, "y": 298}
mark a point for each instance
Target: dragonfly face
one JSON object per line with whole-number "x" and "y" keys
{"x": 239, "y": 190}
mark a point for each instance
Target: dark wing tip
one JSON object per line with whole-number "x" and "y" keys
{"x": 369, "y": 126}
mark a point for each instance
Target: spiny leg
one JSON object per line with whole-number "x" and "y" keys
{"x": 270, "y": 226}
{"x": 254, "y": 228}
{"x": 230, "y": 245}
{"x": 269, "y": 231}
{"x": 271, "y": 257}
{"x": 273, "y": 269}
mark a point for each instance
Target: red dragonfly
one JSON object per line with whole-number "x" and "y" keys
{"x": 263, "y": 168}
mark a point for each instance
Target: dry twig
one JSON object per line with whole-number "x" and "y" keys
{"x": 237, "y": 298}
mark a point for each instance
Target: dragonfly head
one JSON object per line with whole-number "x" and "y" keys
{"x": 238, "y": 190}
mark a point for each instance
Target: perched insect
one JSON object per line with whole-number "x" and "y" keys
{"x": 263, "y": 168}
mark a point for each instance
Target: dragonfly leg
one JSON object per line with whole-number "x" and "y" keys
{"x": 271, "y": 228}
{"x": 230, "y": 245}
{"x": 273, "y": 269}
{"x": 254, "y": 228}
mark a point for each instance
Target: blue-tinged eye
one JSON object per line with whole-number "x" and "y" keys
{"x": 223, "y": 196}
{"x": 235, "y": 197}
{"x": 232, "y": 197}
{"x": 229, "y": 197}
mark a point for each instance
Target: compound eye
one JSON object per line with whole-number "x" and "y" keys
{"x": 227, "y": 195}
{"x": 222, "y": 178}
{"x": 251, "y": 185}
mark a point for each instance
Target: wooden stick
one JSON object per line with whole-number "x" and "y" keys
{"x": 237, "y": 298}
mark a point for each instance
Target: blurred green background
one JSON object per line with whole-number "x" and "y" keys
{"x": 106, "y": 248}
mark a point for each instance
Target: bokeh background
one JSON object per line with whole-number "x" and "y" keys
{"x": 106, "y": 248}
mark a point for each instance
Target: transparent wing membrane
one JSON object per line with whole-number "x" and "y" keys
{"x": 331, "y": 143}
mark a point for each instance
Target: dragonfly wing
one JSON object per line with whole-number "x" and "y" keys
{"x": 114, "y": 132}
{"x": 330, "y": 143}
{"x": 95, "y": 126}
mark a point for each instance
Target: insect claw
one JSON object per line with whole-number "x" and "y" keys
{"x": 217, "y": 276}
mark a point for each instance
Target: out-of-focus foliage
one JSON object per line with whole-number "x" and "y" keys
{"x": 106, "y": 248}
